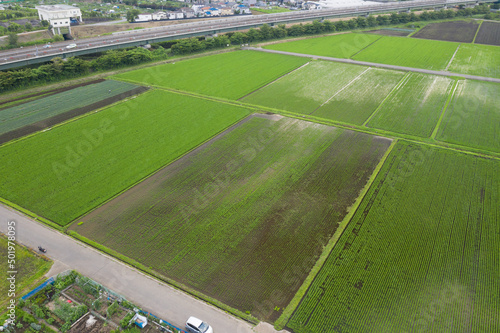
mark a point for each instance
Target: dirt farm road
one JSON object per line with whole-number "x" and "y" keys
{"x": 159, "y": 298}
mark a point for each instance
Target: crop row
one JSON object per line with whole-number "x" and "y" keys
{"x": 244, "y": 218}
{"x": 43, "y": 108}
{"x": 62, "y": 173}
{"x": 419, "y": 253}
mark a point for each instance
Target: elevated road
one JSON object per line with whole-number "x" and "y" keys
{"x": 30, "y": 55}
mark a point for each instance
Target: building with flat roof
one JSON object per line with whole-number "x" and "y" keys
{"x": 59, "y": 16}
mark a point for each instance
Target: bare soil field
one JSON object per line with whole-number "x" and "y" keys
{"x": 489, "y": 33}
{"x": 455, "y": 31}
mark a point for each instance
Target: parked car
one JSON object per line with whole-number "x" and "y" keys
{"x": 71, "y": 46}
{"x": 195, "y": 325}
{"x": 47, "y": 46}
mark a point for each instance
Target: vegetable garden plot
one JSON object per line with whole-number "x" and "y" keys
{"x": 420, "y": 254}
{"x": 243, "y": 218}
{"x": 473, "y": 116}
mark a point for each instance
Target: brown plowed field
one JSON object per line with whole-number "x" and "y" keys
{"x": 489, "y": 33}
{"x": 455, "y": 31}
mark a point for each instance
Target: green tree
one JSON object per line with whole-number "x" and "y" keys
{"x": 265, "y": 32}
{"x": 238, "y": 38}
{"x": 12, "y": 39}
{"x": 28, "y": 26}
{"x": 14, "y": 27}
{"x": 132, "y": 15}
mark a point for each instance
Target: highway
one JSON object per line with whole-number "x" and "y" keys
{"x": 28, "y": 55}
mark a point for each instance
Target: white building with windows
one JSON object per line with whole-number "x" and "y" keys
{"x": 59, "y": 16}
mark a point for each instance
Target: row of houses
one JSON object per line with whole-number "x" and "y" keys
{"x": 203, "y": 10}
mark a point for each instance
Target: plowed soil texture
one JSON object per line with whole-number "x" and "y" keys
{"x": 456, "y": 31}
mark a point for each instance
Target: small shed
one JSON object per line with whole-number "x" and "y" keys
{"x": 139, "y": 320}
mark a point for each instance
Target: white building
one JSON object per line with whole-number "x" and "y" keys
{"x": 59, "y": 16}
{"x": 144, "y": 17}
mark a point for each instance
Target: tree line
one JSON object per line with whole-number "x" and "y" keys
{"x": 59, "y": 69}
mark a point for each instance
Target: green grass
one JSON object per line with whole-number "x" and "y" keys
{"x": 307, "y": 88}
{"x": 30, "y": 268}
{"x": 473, "y": 116}
{"x": 338, "y": 46}
{"x": 62, "y": 173}
{"x": 415, "y": 106}
{"x": 228, "y": 75}
{"x": 356, "y": 103}
{"x": 43, "y": 108}
{"x": 256, "y": 204}
{"x": 409, "y": 52}
{"x": 271, "y": 11}
{"x": 421, "y": 253}
{"x": 474, "y": 59}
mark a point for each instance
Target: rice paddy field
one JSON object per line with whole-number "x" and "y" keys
{"x": 419, "y": 255}
{"x": 31, "y": 112}
{"x": 355, "y": 103}
{"x": 243, "y": 218}
{"x": 415, "y": 106}
{"x": 409, "y": 52}
{"x": 62, "y": 173}
{"x": 473, "y": 117}
{"x": 474, "y": 59}
{"x": 307, "y": 88}
{"x": 337, "y": 46}
{"x": 229, "y": 75}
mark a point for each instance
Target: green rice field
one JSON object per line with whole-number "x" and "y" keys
{"x": 356, "y": 102}
{"x": 409, "y": 52}
{"x": 306, "y": 89}
{"x": 415, "y": 106}
{"x": 62, "y": 173}
{"x": 475, "y": 59}
{"x": 473, "y": 117}
{"x": 244, "y": 218}
{"x": 420, "y": 254}
{"x": 337, "y": 46}
{"x": 229, "y": 75}
{"x": 28, "y": 113}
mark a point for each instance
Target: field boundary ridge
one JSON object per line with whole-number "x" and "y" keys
{"x": 281, "y": 322}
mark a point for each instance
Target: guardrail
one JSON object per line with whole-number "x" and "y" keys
{"x": 184, "y": 30}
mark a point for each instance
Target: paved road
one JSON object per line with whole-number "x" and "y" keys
{"x": 373, "y": 64}
{"x": 122, "y": 39}
{"x": 168, "y": 303}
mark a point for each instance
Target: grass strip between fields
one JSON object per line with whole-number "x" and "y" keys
{"x": 450, "y": 97}
{"x": 177, "y": 285}
{"x": 280, "y": 323}
{"x": 477, "y": 31}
